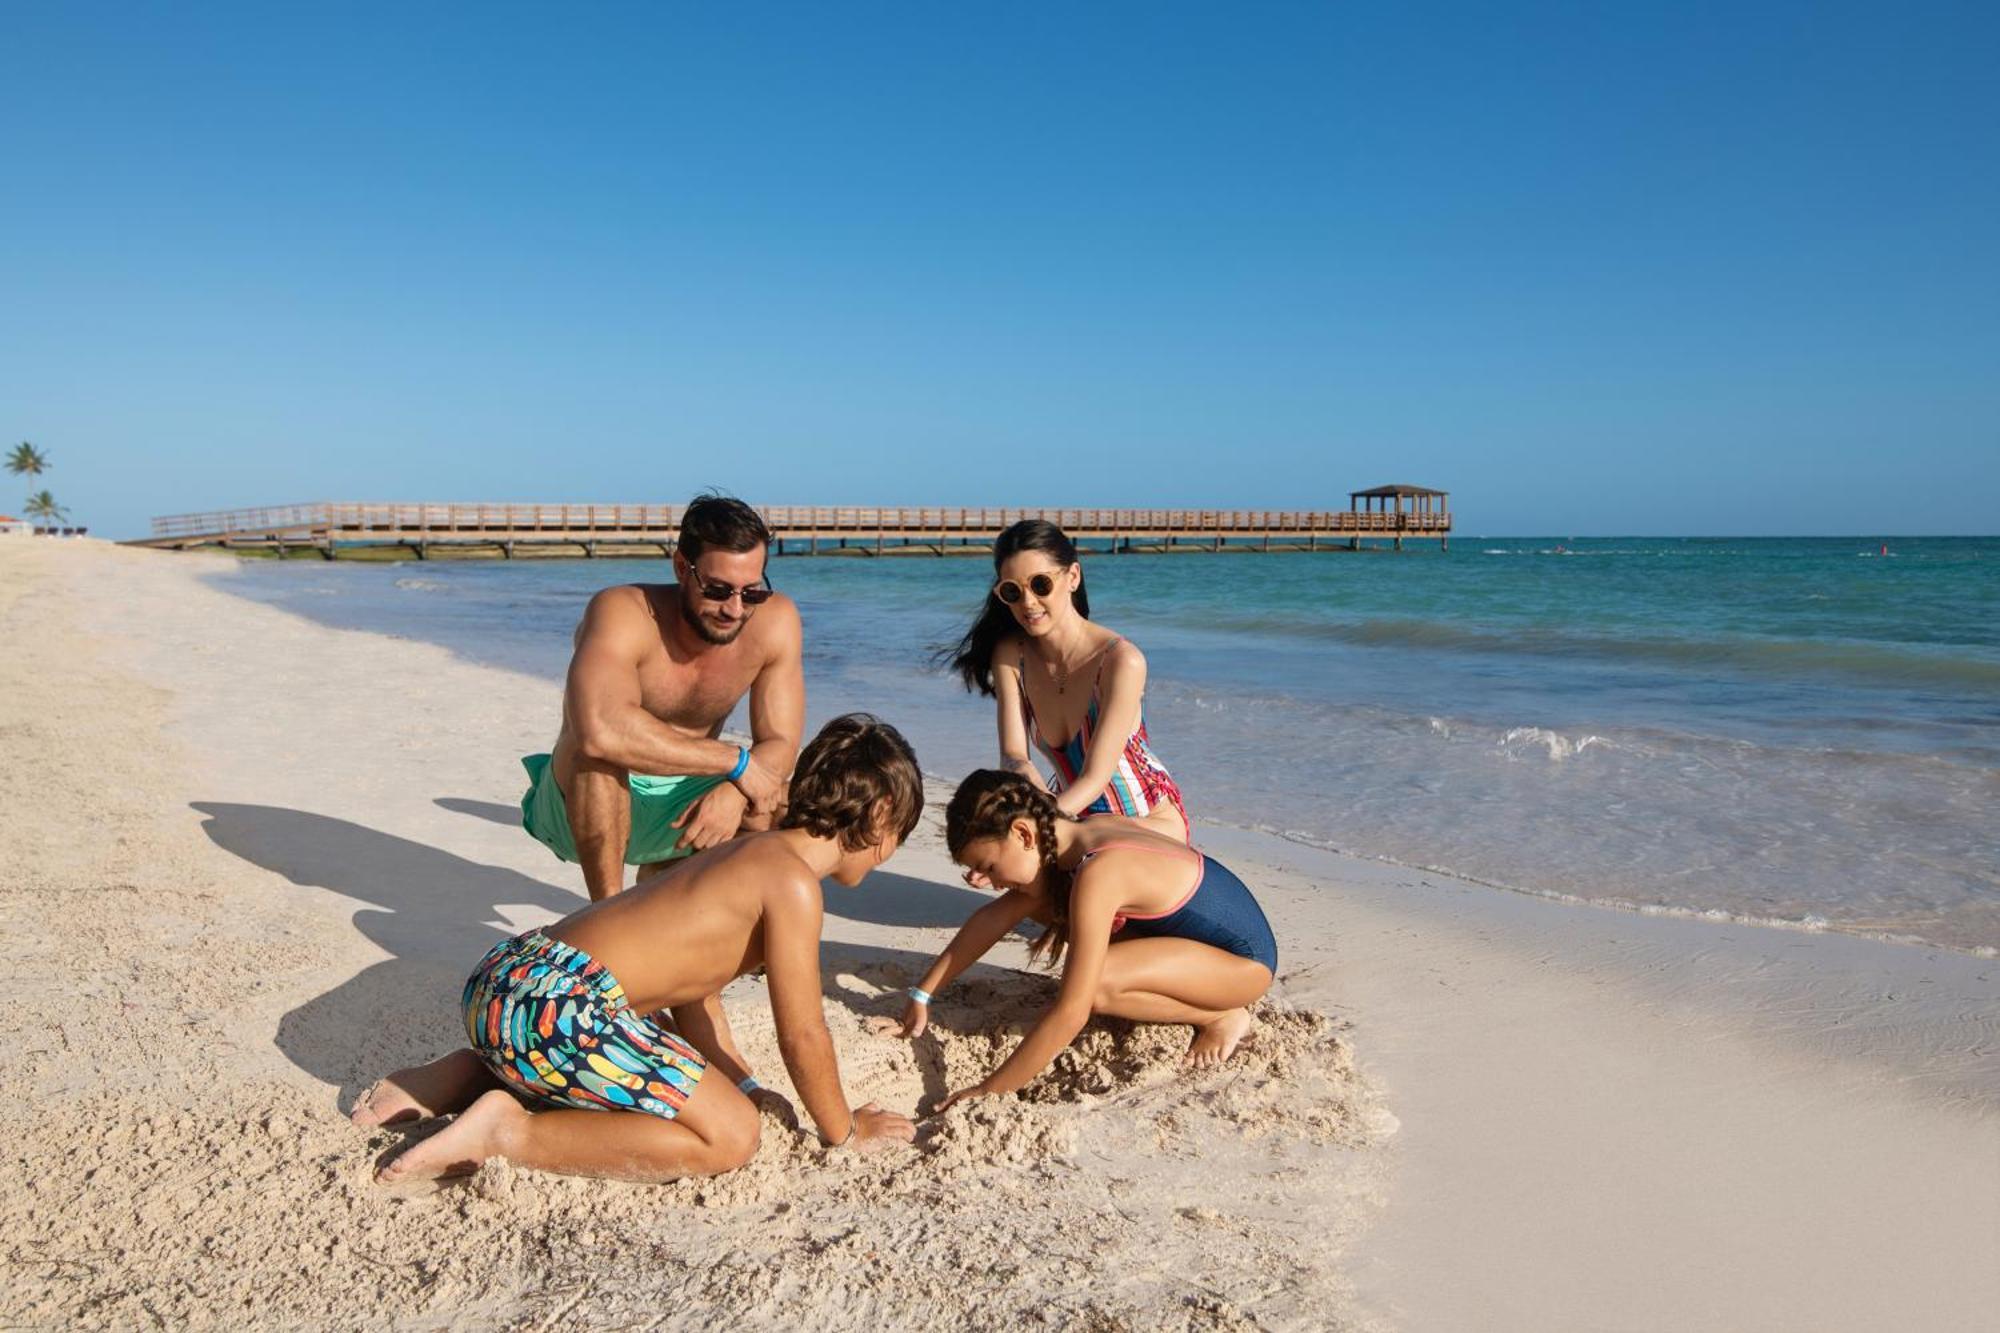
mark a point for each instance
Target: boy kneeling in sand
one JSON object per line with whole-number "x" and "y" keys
{"x": 561, "y": 1016}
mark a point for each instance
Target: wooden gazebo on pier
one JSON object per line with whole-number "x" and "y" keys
{"x": 1397, "y": 512}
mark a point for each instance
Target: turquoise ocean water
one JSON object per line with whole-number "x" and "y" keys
{"x": 1794, "y": 730}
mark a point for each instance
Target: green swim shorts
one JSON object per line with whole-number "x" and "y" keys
{"x": 656, "y": 804}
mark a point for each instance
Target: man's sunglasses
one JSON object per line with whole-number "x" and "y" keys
{"x": 1009, "y": 591}
{"x": 755, "y": 595}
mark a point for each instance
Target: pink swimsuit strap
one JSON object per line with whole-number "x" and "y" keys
{"x": 1201, "y": 873}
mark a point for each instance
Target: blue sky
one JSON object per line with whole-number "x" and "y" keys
{"x": 1592, "y": 268}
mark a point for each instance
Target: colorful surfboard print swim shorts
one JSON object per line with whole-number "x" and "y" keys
{"x": 551, "y": 1022}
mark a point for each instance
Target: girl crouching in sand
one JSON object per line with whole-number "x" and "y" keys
{"x": 1153, "y": 930}
{"x": 562, "y": 1017}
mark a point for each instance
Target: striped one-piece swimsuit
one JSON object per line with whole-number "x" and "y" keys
{"x": 1141, "y": 784}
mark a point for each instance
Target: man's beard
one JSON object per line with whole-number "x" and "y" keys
{"x": 708, "y": 632}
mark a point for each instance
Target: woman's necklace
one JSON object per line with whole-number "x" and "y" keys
{"x": 1061, "y": 671}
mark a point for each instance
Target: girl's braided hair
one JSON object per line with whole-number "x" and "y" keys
{"x": 986, "y": 805}
{"x": 856, "y": 762}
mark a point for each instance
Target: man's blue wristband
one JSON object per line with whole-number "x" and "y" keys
{"x": 748, "y": 1084}
{"x": 920, "y": 995}
{"x": 742, "y": 762}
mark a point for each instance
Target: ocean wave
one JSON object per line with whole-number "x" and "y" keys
{"x": 1849, "y": 659}
{"x": 420, "y": 585}
{"x": 1809, "y": 922}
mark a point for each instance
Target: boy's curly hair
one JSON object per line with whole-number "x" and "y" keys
{"x": 855, "y": 762}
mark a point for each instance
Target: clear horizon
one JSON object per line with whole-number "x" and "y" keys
{"x": 1591, "y": 272}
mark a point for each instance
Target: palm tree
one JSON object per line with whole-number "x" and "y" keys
{"x": 25, "y": 460}
{"x": 42, "y": 505}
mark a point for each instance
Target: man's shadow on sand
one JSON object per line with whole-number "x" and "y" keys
{"x": 436, "y": 914}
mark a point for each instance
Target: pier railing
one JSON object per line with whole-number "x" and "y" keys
{"x": 786, "y": 520}
{"x": 328, "y": 525}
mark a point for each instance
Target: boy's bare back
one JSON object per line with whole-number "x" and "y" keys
{"x": 685, "y": 934}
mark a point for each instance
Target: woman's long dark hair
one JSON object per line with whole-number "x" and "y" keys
{"x": 972, "y": 656}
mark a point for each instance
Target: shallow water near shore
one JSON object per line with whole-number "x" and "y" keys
{"x": 1802, "y": 731}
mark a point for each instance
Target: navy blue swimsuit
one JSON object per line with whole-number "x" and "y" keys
{"x": 1218, "y": 910}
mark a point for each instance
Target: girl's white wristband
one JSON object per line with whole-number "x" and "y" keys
{"x": 920, "y": 995}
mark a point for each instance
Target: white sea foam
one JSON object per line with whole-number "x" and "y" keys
{"x": 1553, "y": 744}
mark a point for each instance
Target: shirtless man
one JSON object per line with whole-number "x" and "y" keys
{"x": 568, "y": 1068}
{"x": 638, "y": 776}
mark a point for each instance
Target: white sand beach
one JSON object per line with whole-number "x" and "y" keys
{"x": 249, "y": 860}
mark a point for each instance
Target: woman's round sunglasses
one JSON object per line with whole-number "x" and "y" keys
{"x": 1009, "y": 591}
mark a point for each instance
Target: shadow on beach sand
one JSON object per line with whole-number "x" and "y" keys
{"x": 888, "y": 899}
{"x": 491, "y": 811}
{"x": 436, "y": 914}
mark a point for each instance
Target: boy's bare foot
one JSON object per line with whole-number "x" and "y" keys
{"x": 1215, "y": 1041}
{"x": 423, "y": 1091}
{"x": 460, "y": 1146}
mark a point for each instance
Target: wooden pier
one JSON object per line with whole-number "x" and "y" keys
{"x": 331, "y": 529}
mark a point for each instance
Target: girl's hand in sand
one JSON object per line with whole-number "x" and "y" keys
{"x": 962, "y": 1095}
{"x": 916, "y": 1017}
{"x": 875, "y": 1129}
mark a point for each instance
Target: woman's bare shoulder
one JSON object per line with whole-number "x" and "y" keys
{"x": 1007, "y": 653}
{"x": 1123, "y": 654}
